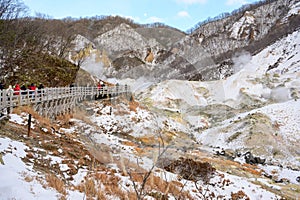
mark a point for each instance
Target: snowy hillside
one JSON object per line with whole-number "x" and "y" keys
{"x": 236, "y": 137}
{"x": 255, "y": 110}
{"x": 105, "y": 156}
{"x": 276, "y": 66}
{"x": 240, "y": 134}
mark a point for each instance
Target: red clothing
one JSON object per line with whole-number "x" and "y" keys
{"x": 32, "y": 87}
{"x": 17, "y": 89}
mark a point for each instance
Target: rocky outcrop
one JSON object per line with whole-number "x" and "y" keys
{"x": 245, "y": 28}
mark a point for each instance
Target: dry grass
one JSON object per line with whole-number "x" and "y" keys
{"x": 143, "y": 150}
{"x": 27, "y": 109}
{"x": 120, "y": 110}
{"x": 252, "y": 169}
{"x": 64, "y": 119}
{"x": 147, "y": 140}
{"x": 163, "y": 187}
{"x": 128, "y": 143}
{"x": 239, "y": 195}
{"x": 133, "y": 105}
{"x": 56, "y": 183}
{"x": 81, "y": 115}
{"x": 90, "y": 188}
{"x": 109, "y": 186}
{"x": 27, "y": 177}
{"x": 103, "y": 155}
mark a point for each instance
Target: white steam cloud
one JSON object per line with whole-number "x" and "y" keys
{"x": 280, "y": 94}
{"x": 94, "y": 68}
{"x": 240, "y": 60}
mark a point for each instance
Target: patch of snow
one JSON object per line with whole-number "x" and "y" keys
{"x": 17, "y": 119}
{"x": 22, "y": 119}
{"x": 282, "y": 173}
{"x": 79, "y": 177}
{"x": 12, "y": 181}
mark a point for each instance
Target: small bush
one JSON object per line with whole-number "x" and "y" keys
{"x": 191, "y": 170}
{"x": 234, "y": 136}
{"x": 239, "y": 195}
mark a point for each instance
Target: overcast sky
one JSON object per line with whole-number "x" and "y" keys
{"x": 181, "y": 14}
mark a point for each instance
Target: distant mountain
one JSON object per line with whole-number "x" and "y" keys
{"x": 161, "y": 53}
{"x": 251, "y": 29}
{"x": 115, "y": 47}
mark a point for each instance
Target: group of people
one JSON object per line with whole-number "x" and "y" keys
{"x": 17, "y": 90}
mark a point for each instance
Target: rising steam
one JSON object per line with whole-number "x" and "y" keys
{"x": 240, "y": 60}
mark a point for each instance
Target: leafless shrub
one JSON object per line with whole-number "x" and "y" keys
{"x": 239, "y": 195}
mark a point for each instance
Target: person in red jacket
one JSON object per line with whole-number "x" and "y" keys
{"x": 32, "y": 86}
{"x": 32, "y": 89}
{"x": 17, "y": 89}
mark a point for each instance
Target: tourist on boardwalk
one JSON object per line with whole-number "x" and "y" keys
{"x": 1, "y": 86}
{"x": 98, "y": 95}
{"x": 9, "y": 93}
{"x": 99, "y": 86}
{"x": 102, "y": 84}
{"x": 72, "y": 85}
{"x": 17, "y": 89}
{"x": 23, "y": 90}
{"x": 1, "y": 89}
{"x": 40, "y": 88}
{"x": 32, "y": 89}
{"x": 117, "y": 88}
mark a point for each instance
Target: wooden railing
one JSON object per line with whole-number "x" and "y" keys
{"x": 11, "y": 99}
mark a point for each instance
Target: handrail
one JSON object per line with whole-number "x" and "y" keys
{"x": 10, "y": 98}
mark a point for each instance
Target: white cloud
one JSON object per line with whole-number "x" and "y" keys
{"x": 236, "y": 2}
{"x": 192, "y": 1}
{"x": 136, "y": 19}
{"x": 183, "y": 14}
{"x": 154, "y": 19}
{"x": 147, "y": 20}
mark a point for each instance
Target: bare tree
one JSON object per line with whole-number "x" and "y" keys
{"x": 11, "y": 9}
{"x": 140, "y": 188}
{"x": 11, "y": 34}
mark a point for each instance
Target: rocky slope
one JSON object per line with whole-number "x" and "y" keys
{"x": 255, "y": 110}
{"x": 207, "y": 53}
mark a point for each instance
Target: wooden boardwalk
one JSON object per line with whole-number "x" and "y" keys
{"x": 51, "y": 102}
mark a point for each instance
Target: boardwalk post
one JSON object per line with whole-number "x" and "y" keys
{"x": 29, "y": 124}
